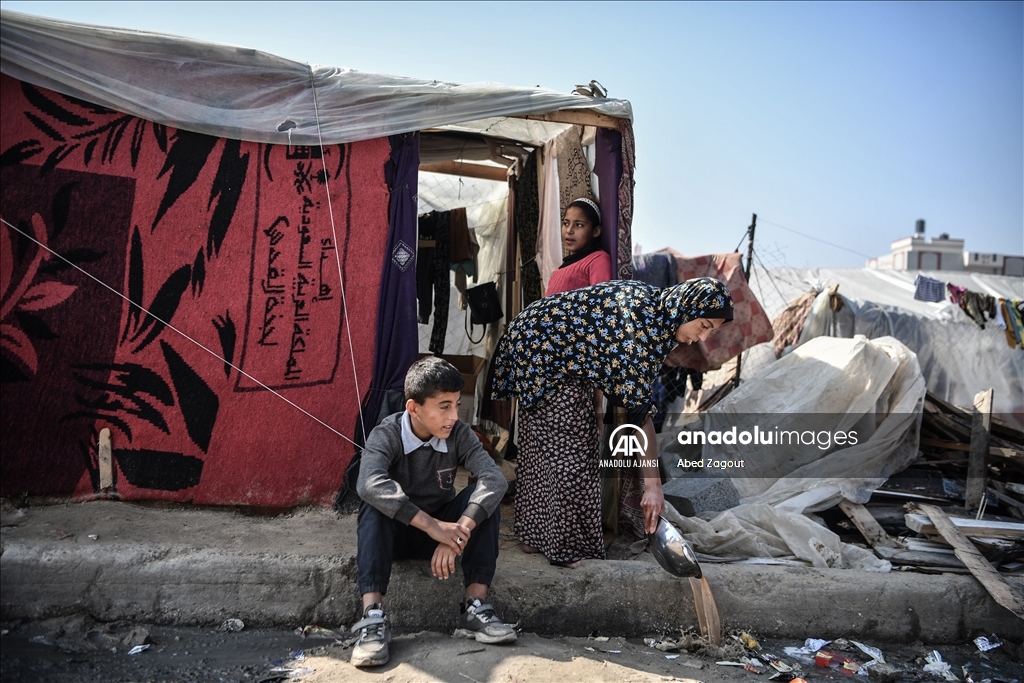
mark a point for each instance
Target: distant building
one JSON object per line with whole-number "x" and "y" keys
{"x": 944, "y": 253}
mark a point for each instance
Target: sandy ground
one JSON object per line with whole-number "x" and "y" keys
{"x": 78, "y": 651}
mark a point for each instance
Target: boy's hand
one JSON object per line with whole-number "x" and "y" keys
{"x": 443, "y": 563}
{"x": 455, "y": 535}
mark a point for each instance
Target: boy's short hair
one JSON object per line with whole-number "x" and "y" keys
{"x": 431, "y": 375}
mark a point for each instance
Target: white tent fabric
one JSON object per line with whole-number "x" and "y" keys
{"x": 245, "y": 94}
{"x": 958, "y": 358}
{"x": 874, "y": 387}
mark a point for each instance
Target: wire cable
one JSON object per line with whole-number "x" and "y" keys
{"x": 337, "y": 256}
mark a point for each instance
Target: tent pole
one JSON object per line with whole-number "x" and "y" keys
{"x": 746, "y": 276}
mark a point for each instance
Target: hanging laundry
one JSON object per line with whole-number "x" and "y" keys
{"x": 929, "y": 289}
{"x": 790, "y": 322}
{"x": 658, "y": 269}
{"x": 956, "y": 293}
{"x": 1013, "y": 314}
{"x": 433, "y": 283}
{"x": 750, "y": 325}
{"x": 978, "y": 306}
{"x": 999, "y": 319}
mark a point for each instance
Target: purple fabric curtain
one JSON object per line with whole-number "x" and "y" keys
{"x": 608, "y": 167}
{"x": 397, "y": 336}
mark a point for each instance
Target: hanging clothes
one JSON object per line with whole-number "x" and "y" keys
{"x": 433, "y": 283}
{"x": 549, "y": 231}
{"x": 527, "y": 218}
{"x": 790, "y": 322}
{"x": 956, "y": 293}
{"x": 978, "y": 306}
{"x": 1013, "y": 314}
{"x": 929, "y": 289}
{"x": 657, "y": 269}
{"x": 573, "y": 170}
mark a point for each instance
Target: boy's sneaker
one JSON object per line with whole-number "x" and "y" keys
{"x": 371, "y": 647}
{"x": 479, "y": 621}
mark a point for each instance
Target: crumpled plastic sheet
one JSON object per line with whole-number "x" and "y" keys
{"x": 874, "y": 386}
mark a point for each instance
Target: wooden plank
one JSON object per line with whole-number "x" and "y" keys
{"x": 1010, "y": 453}
{"x": 468, "y": 170}
{"x": 577, "y": 117}
{"x": 997, "y": 587}
{"x": 106, "y": 460}
{"x": 969, "y": 527}
{"x": 949, "y": 445}
{"x": 981, "y": 424}
{"x": 868, "y": 526}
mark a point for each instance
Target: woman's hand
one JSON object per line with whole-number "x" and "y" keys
{"x": 652, "y": 503}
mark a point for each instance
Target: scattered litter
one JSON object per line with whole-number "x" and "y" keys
{"x": 830, "y": 660}
{"x": 800, "y": 655}
{"x": 813, "y": 644}
{"x": 935, "y": 665}
{"x": 671, "y": 656}
{"x": 283, "y": 673}
{"x": 753, "y": 665}
{"x": 665, "y": 645}
{"x": 298, "y": 655}
{"x": 61, "y": 534}
{"x": 726, "y": 662}
{"x": 314, "y": 631}
{"x": 985, "y": 644}
{"x": 94, "y": 537}
{"x": 749, "y": 641}
{"x": 873, "y": 652}
{"x": 601, "y": 639}
{"x": 138, "y": 649}
{"x": 234, "y": 625}
{"x": 775, "y": 663}
{"x": 469, "y": 652}
{"x": 41, "y": 640}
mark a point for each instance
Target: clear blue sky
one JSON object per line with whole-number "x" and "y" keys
{"x": 843, "y": 121}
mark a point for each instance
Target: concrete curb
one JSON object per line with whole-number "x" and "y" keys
{"x": 199, "y": 567}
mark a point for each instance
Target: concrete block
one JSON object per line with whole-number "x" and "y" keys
{"x": 693, "y": 495}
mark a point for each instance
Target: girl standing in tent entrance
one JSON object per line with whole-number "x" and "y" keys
{"x": 585, "y": 263}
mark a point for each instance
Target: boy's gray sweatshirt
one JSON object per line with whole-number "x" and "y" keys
{"x": 400, "y": 484}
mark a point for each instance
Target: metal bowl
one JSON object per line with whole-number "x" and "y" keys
{"x": 672, "y": 551}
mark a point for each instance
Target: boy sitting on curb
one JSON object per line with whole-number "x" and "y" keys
{"x": 409, "y": 508}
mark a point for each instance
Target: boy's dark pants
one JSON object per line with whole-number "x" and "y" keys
{"x": 382, "y": 539}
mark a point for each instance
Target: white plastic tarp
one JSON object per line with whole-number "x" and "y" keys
{"x": 245, "y": 94}
{"x": 874, "y": 387}
{"x": 957, "y": 357}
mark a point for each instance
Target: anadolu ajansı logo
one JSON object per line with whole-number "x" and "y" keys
{"x": 628, "y": 441}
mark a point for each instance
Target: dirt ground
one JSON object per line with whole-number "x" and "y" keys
{"x": 78, "y": 650}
